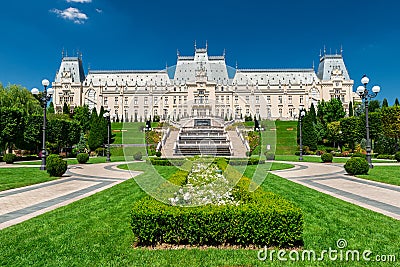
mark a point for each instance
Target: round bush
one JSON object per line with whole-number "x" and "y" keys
{"x": 397, "y": 156}
{"x": 158, "y": 154}
{"x": 55, "y": 165}
{"x": 82, "y": 158}
{"x": 137, "y": 156}
{"x": 269, "y": 156}
{"x": 9, "y": 158}
{"x": 327, "y": 157}
{"x": 356, "y": 166}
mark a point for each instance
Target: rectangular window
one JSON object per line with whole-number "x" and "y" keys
{"x": 280, "y": 99}
{"x": 227, "y": 99}
{"x": 301, "y": 99}
{"x": 247, "y": 98}
{"x": 180, "y": 100}
{"x": 166, "y": 100}
{"x": 155, "y": 100}
{"x": 105, "y": 101}
{"x": 236, "y": 98}
{"x": 290, "y": 99}
{"x": 136, "y": 100}
{"x": 146, "y": 100}
{"x": 257, "y": 99}
{"x": 126, "y": 100}
{"x": 174, "y": 100}
{"x": 268, "y": 99}
{"x": 217, "y": 99}
{"x": 116, "y": 100}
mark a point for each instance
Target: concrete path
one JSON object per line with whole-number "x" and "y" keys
{"x": 332, "y": 179}
{"x": 80, "y": 181}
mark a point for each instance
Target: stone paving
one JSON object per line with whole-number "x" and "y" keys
{"x": 80, "y": 181}
{"x": 20, "y": 204}
{"x": 332, "y": 179}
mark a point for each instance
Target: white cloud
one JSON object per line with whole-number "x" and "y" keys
{"x": 79, "y": 1}
{"x": 71, "y": 13}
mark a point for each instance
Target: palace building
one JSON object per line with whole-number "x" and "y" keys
{"x": 203, "y": 85}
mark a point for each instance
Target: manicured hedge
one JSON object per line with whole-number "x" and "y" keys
{"x": 246, "y": 161}
{"x": 327, "y": 157}
{"x": 82, "y": 158}
{"x": 55, "y": 165}
{"x": 9, "y": 158}
{"x": 166, "y": 162}
{"x": 261, "y": 218}
{"x": 357, "y": 165}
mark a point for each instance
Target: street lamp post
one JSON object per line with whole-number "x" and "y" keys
{"x": 365, "y": 95}
{"x": 302, "y": 113}
{"x": 44, "y": 98}
{"x": 107, "y": 116}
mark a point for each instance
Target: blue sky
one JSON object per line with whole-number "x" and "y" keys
{"x": 146, "y": 34}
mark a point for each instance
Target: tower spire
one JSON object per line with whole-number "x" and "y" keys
{"x": 224, "y": 53}
{"x": 62, "y": 53}
{"x": 324, "y": 50}
{"x": 195, "y": 45}
{"x": 177, "y": 52}
{"x": 206, "y": 45}
{"x": 341, "y": 50}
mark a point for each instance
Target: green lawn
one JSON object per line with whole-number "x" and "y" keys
{"x": 128, "y": 132}
{"x": 18, "y": 177}
{"x": 95, "y": 231}
{"x": 280, "y": 134}
{"x": 384, "y": 174}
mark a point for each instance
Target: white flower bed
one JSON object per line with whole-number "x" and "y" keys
{"x": 205, "y": 185}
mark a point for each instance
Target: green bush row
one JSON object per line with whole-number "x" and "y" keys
{"x": 165, "y": 162}
{"x": 246, "y": 161}
{"x": 385, "y": 156}
{"x": 82, "y": 158}
{"x": 261, "y": 218}
{"x": 20, "y": 158}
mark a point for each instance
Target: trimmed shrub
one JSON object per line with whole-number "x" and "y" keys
{"x": 327, "y": 157}
{"x": 166, "y": 162}
{"x": 82, "y": 158}
{"x": 138, "y": 156}
{"x": 261, "y": 218}
{"x": 270, "y": 156}
{"x": 356, "y": 165}
{"x": 158, "y": 154}
{"x": 9, "y": 158}
{"x": 385, "y": 156}
{"x": 55, "y": 165}
{"x": 397, "y": 156}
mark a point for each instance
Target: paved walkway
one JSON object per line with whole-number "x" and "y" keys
{"x": 332, "y": 179}
{"x": 80, "y": 181}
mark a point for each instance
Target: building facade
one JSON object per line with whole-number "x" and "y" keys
{"x": 203, "y": 85}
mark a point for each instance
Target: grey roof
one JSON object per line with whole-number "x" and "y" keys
{"x": 74, "y": 66}
{"x": 214, "y": 66}
{"x": 275, "y": 76}
{"x": 330, "y": 62}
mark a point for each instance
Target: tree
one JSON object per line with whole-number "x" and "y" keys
{"x": 353, "y": 129}
{"x": 50, "y": 108}
{"x": 312, "y": 113}
{"x": 333, "y": 132}
{"x": 11, "y": 127}
{"x": 374, "y": 105}
{"x": 385, "y": 103}
{"x": 351, "y": 111}
{"x": 333, "y": 110}
{"x": 66, "y": 109}
{"x": 33, "y": 133}
{"x": 19, "y": 97}
{"x": 82, "y": 116}
{"x": 391, "y": 122}
{"x": 309, "y": 136}
{"x": 396, "y": 102}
